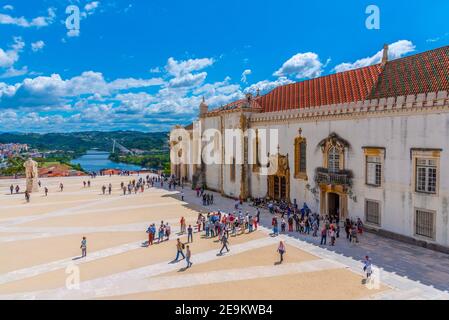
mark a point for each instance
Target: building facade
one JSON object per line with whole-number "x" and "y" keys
{"x": 370, "y": 143}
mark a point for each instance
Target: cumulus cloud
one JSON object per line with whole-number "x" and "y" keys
{"x": 9, "y": 57}
{"x": 179, "y": 68}
{"x": 38, "y": 22}
{"x": 182, "y": 72}
{"x": 396, "y": 50}
{"x": 8, "y": 7}
{"x": 37, "y": 46}
{"x": 53, "y": 90}
{"x": 267, "y": 85}
{"x": 245, "y": 74}
{"x": 301, "y": 66}
{"x": 188, "y": 80}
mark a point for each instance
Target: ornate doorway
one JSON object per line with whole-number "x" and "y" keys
{"x": 279, "y": 183}
{"x": 334, "y": 201}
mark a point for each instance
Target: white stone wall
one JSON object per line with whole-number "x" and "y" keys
{"x": 398, "y": 135}
{"x": 396, "y": 124}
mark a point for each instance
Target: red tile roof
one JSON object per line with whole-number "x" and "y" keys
{"x": 421, "y": 73}
{"x": 344, "y": 87}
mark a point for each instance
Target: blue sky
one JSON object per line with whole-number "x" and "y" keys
{"x": 145, "y": 64}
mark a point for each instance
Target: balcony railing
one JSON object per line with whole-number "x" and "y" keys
{"x": 342, "y": 177}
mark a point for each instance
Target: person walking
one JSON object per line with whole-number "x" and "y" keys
{"x": 110, "y": 189}
{"x": 182, "y": 195}
{"x": 367, "y": 267}
{"x": 150, "y": 236}
{"x": 11, "y": 188}
{"x": 61, "y": 187}
{"x": 323, "y": 236}
{"x": 179, "y": 248}
{"x": 183, "y": 225}
{"x": 27, "y": 196}
{"x": 224, "y": 241}
{"x": 188, "y": 255}
{"x": 46, "y": 191}
{"x": 332, "y": 235}
{"x": 281, "y": 251}
{"x": 83, "y": 247}
{"x": 190, "y": 234}
{"x": 167, "y": 231}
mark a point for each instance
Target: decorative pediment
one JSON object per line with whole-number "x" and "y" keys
{"x": 333, "y": 140}
{"x": 283, "y": 167}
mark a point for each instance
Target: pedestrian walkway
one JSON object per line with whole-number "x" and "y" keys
{"x": 416, "y": 263}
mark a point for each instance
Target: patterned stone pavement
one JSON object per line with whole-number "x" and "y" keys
{"x": 119, "y": 266}
{"x": 416, "y": 263}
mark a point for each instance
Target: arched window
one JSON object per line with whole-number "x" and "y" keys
{"x": 333, "y": 160}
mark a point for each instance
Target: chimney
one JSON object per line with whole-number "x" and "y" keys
{"x": 385, "y": 55}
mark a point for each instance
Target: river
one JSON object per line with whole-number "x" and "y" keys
{"x": 95, "y": 160}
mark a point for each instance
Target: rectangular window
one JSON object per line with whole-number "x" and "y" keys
{"x": 425, "y": 223}
{"x": 372, "y": 212}
{"x": 426, "y": 175}
{"x": 373, "y": 171}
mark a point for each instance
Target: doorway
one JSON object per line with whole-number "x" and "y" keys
{"x": 333, "y": 205}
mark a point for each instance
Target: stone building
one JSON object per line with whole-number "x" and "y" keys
{"x": 370, "y": 143}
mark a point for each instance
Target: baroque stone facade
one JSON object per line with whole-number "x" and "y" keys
{"x": 370, "y": 143}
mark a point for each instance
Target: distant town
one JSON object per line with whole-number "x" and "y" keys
{"x": 58, "y": 154}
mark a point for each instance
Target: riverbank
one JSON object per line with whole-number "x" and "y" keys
{"x": 156, "y": 161}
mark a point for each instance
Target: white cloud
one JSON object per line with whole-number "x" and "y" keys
{"x": 9, "y": 57}
{"x": 266, "y": 85}
{"x": 8, "y": 7}
{"x": 182, "y": 71}
{"x": 395, "y": 50}
{"x": 37, "y": 22}
{"x": 90, "y": 8}
{"x": 12, "y": 72}
{"x": 302, "y": 65}
{"x": 245, "y": 74}
{"x": 155, "y": 70}
{"x": 179, "y": 68}
{"x": 37, "y": 46}
{"x": 53, "y": 90}
{"x": 188, "y": 80}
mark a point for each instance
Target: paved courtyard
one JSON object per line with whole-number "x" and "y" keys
{"x": 40, "y": 240}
